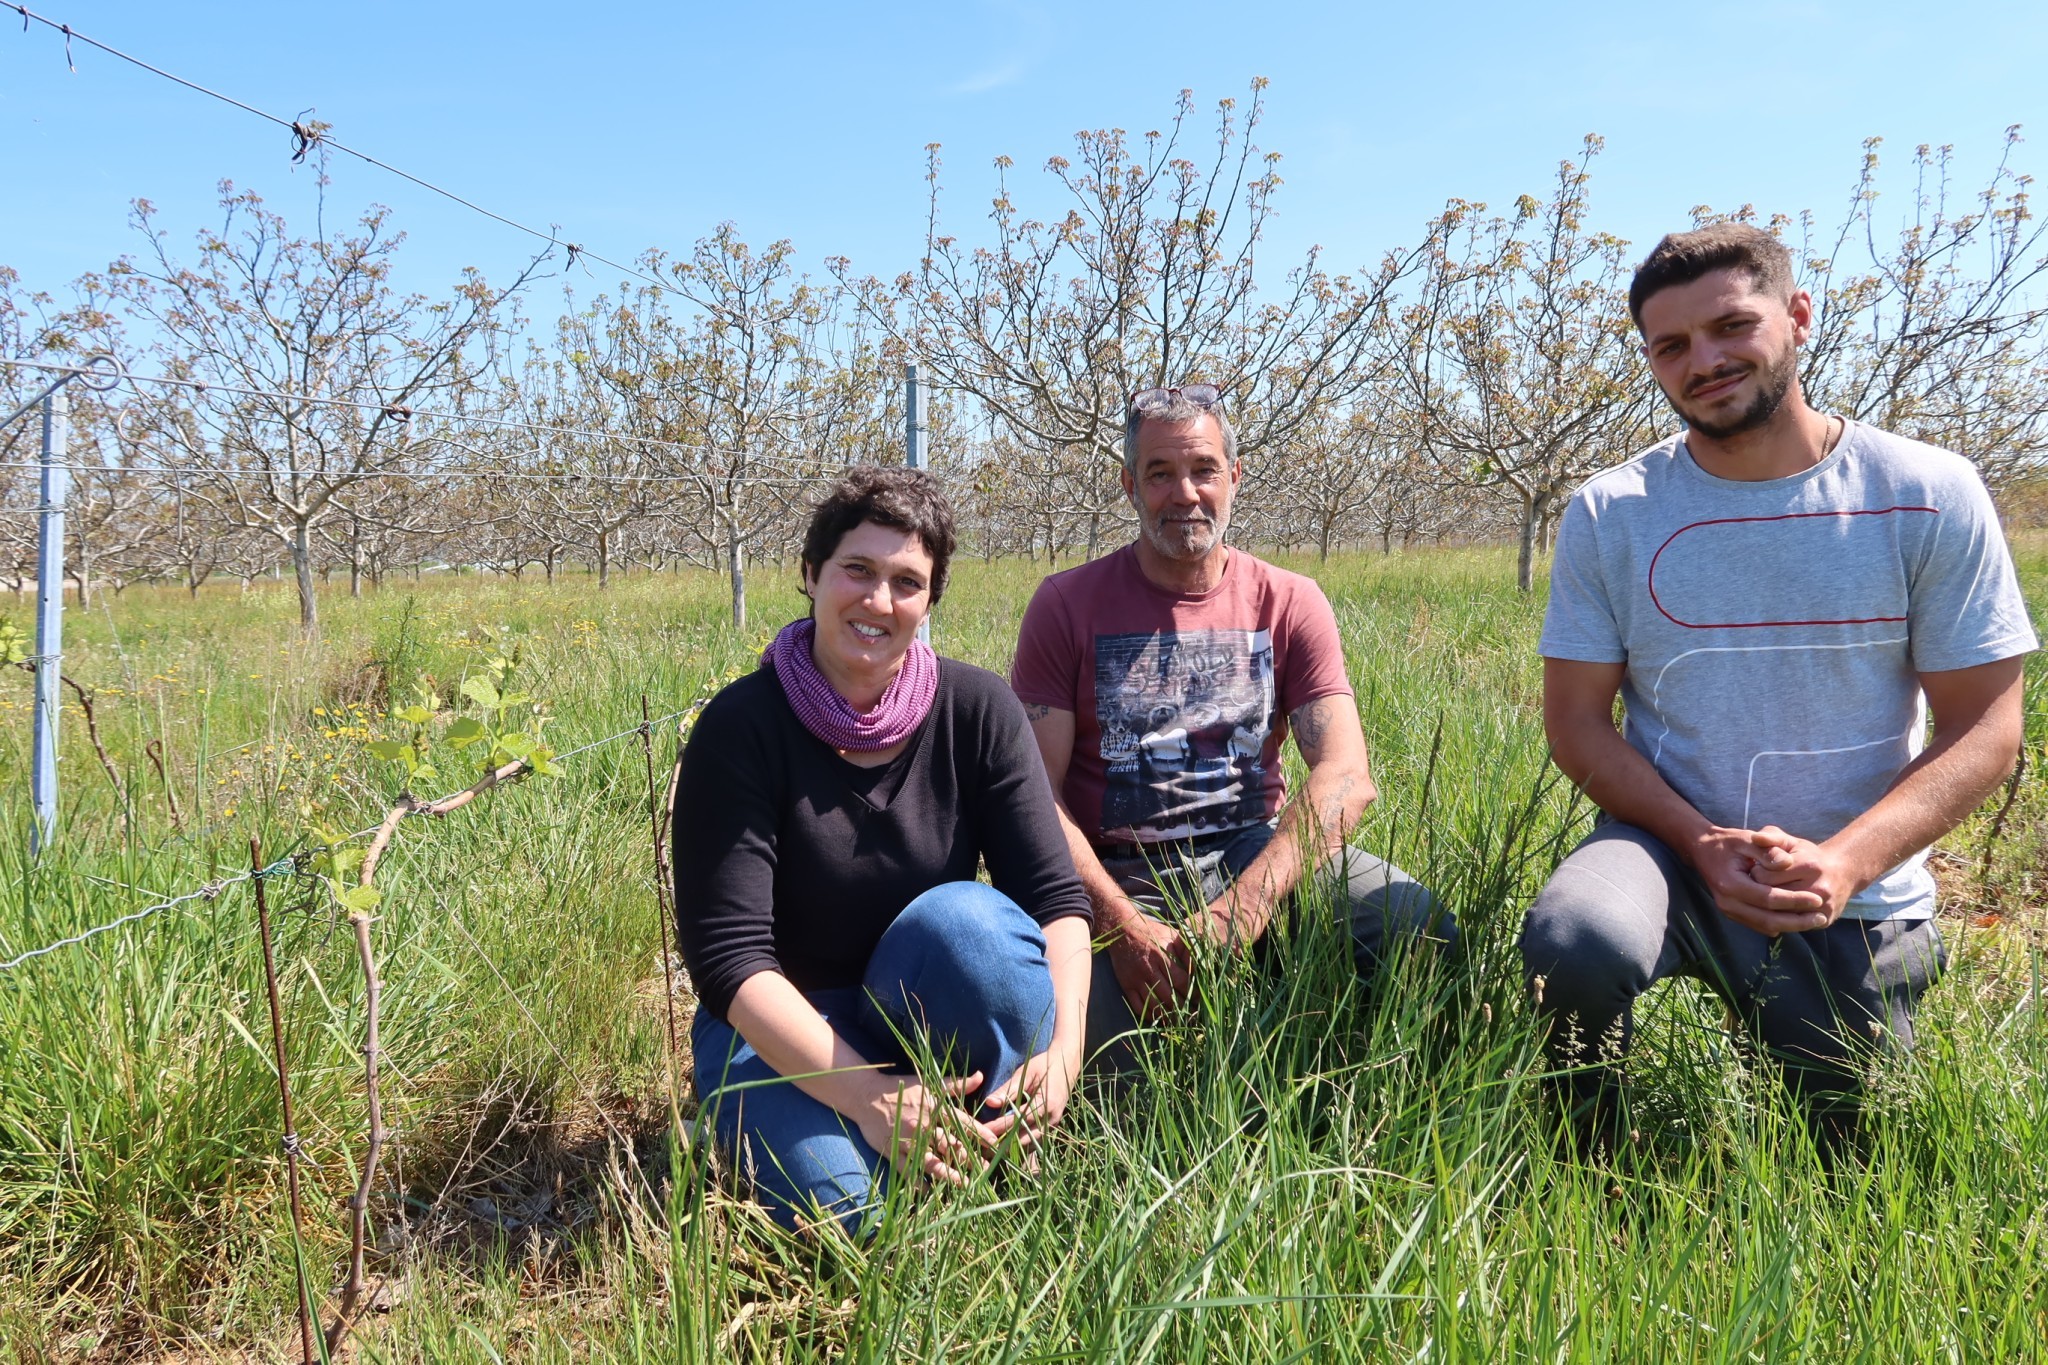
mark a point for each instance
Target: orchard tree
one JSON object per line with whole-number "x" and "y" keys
{"x": 748, "y": 381}
{"x": 25, "y": 334}
{"x": 334, "y": 358}
{"x": 595, "y": 476}
{"x": 1936, "y": 330}
{"x": 1524, "y": 372}
{"x": 1146, "y": 275}
{"x": 1345, "y": 468}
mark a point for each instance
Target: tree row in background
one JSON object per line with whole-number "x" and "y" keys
{"x": 1455, "y": 390}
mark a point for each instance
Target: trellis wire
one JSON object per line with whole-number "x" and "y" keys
{"x": 283, "y": 866}
{"x": 452, "y": 418}
{"x": 308, "y": 136}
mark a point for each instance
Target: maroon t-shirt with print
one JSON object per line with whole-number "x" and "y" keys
{"x": 1180, "y": 701}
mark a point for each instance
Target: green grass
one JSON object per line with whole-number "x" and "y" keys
{"x": 1307, "y": 1175}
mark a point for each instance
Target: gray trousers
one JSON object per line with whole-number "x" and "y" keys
{"x": 1386, "y": 907}
{"x": 1622, "y": 912}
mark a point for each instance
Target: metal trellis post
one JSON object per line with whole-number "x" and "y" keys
{"x": 100, "y": 373}
{"x": 49, "y": 614}
{"x": 913, "y": 417}
{"x": 913, "y": 447}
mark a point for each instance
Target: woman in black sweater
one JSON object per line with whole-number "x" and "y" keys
{"x": 832, "y": 811}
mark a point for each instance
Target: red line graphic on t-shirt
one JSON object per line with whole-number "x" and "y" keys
{"x": 1788, "y": 516}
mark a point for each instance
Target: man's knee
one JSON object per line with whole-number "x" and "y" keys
{"x": 1110, "y": 1044}
{"x": 1391, "y": 912}
{"x": 1586, "y": 946}
{"x": 1834, "y": 1000}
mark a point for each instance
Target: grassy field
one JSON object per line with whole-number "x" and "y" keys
{"x": 1306, "y": 1175}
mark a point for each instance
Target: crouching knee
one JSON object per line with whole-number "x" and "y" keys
{"x": 1392, "y": 914}
{"x": 1580, "y": 955}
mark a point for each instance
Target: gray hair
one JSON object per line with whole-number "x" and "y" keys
{"x": 1177, "y": 412}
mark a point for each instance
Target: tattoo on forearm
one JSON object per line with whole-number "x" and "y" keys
{"x": 1333, "y": 812}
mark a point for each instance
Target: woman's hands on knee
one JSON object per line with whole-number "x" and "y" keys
{"x": 920, "y": 1129}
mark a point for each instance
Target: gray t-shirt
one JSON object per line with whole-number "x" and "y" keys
{"x": 1773, "y": 631}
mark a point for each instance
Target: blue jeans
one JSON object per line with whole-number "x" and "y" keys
{"x": 961, "y": 971}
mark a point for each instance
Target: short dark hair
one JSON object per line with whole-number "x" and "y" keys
{"x": 1175, "y": 413}
{"x": 1683, "y": 257}
{"x": 902, "y": 499}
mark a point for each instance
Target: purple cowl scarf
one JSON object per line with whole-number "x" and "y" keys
{"x": 904, "y": 704}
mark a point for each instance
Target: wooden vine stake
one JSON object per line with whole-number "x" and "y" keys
{"x": 359, "y": 1202}
{"x": 360, "y": 901}
{"x": 662, "y": 910}
{"x": 507, "y": 724}
{"x": 284, "y": 1094}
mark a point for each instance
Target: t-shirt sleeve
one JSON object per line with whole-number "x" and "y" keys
{"x": 725, "y": 821}
{"x": 1965, "y": 606}
{"x": 1579, "y": 623}
{"x": 1021, "y": 840}
{"x": 1312, "y": 656}
{"x": 1045, "y": 668}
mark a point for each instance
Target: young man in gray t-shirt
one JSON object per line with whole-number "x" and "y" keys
{"x": 1780, "y": 598}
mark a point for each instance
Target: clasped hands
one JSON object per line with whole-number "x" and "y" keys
{"x": 919, "y": 1127}
{"x": 1774, "y": 882}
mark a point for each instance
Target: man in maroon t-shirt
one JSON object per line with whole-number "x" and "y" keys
{"x": 1161, "y": 681}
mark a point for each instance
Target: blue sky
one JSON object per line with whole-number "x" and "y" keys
{"x": 634, "y": 126}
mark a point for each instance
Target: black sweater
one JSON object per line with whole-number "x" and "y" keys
{"x": 789, "y": 858}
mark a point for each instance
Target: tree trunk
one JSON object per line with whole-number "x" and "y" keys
{"x": 1094, "y": 531}
{"x": 604, "y": 559}
{"x": 1535, "y": 506}
{"x": 83, "y": 569}
{"x": 736, "y": 565}
{"x": 548, "y": 566}
{"x": 355, "y": 573}
{"x": 302, "y": 570}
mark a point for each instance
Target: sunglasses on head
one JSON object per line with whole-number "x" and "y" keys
{"x": 1203, "y": 396}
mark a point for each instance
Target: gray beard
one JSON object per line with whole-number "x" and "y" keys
{"x": 1177, "y": 546}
